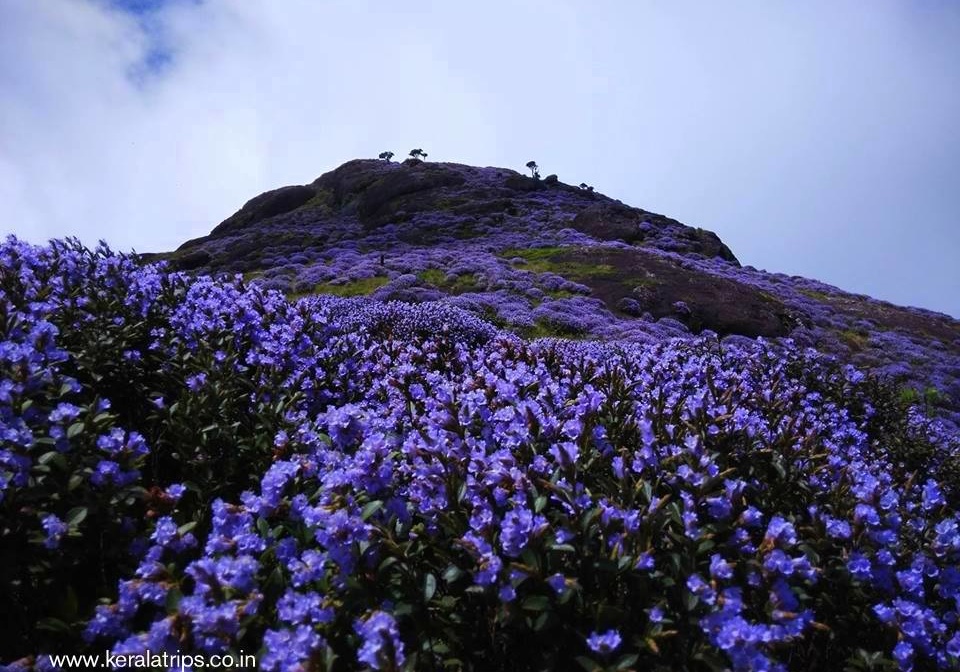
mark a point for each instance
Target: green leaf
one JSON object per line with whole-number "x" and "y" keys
{"x": 53, "y": 625}
{"x": 188, "y": 527}
{"x": 589, "y": 664}
{"x": 76, "y": 515}
{"x": 711, "y": 660}
{"x": 371, "y": 508}
{"x": 52, "y": 456}
{"x": 531, "y": 559}
{"x": 173, "y": 600}
{"x": 452, "y": 574}
{"x": 387, "y": 562}
{"x": 539, "y": 503}
{"x": 74, "y": 430}
{"x": 627, "y": 661}
{"x": 429, "y": 586}
{"x": 536, "y": 603}
{"x": 263, "y": 528}
{"x": 541, "y": 621}
{"x": 275, "y": 580}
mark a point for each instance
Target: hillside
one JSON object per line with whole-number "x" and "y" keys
{"x": 251, "y": 466}
{"x": 544, "y": 258}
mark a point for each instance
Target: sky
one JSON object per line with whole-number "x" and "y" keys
{"x": 819, "y": 138}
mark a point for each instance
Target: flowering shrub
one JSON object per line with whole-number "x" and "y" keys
{"x": 200, "y": 465}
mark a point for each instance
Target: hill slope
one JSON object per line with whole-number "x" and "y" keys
{"x": 543, "y": 258}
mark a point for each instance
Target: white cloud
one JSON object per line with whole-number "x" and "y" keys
{"x": 817, "y": 138}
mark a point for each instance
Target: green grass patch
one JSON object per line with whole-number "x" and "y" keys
{"x": 855, "y": 339}
{"x": 438, "y": 278}
{"x": 545, "y": 329}
{"x": 819, "y": 296}
{"x": 559, "y": 293}
{"x": 449, "y": 203}
{"x": 323, "y": 199}
{"x": 534, "y": 253}
{"x": 545, "y": 260}
{"x": 360, "y": 287}
{"x": 434, "y": 276}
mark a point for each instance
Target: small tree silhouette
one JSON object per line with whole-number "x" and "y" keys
{"x": 418, "y": 154}
{"x": 584, "y": 185}
{"x": 386, "y": 156}
{"x": 534, "y": 169}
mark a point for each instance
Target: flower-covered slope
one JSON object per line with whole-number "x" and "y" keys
{"x": 542, "y": 258}
{"x": 204, "y": 467}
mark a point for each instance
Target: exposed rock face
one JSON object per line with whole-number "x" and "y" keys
{"x": 266, "y": 205}
{"x": 398, "y": 191}
{"x": 545, "y": 258}
{"x": 615, "y": 221}
{"x": 720, "y": 305}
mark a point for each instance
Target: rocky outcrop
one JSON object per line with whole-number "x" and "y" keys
{"x": 639, "y": 282}
{"x": 386, "y": 196}
{"x": 615, "y": 221}
{"x": 266, "y": 205}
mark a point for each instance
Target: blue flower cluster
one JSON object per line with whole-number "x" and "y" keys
{"x": 389, "y": 486}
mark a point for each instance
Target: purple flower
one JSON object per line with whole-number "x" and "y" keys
{"x": 645, "y": 562}
{"x": 196, "y": 382}
{"x": 165, "y": 531}
{"x": 781, "y": 531}
{"x": 604, "y": 643}
{"x": 932, "y": 496}
{"x": 64, "y": 412}
{"x": 519, "y": 527}
{"x": 838, "y": 529}
{"x": 751, "y": 517}
{"x": 294, "y": 607}
{"x": 290, "y": 649}
{"x": 381, "y": 648}
{"x": 859, "y": 567}
{"x": 720, "y": 568}
{"x": 700, "y": 588}
{"x": 903, "y": 654}
{"x": 558, "y": 582}
{"x": 55, "y": 529}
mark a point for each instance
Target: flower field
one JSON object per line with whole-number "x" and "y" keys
{"x": 202, "y": 465}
